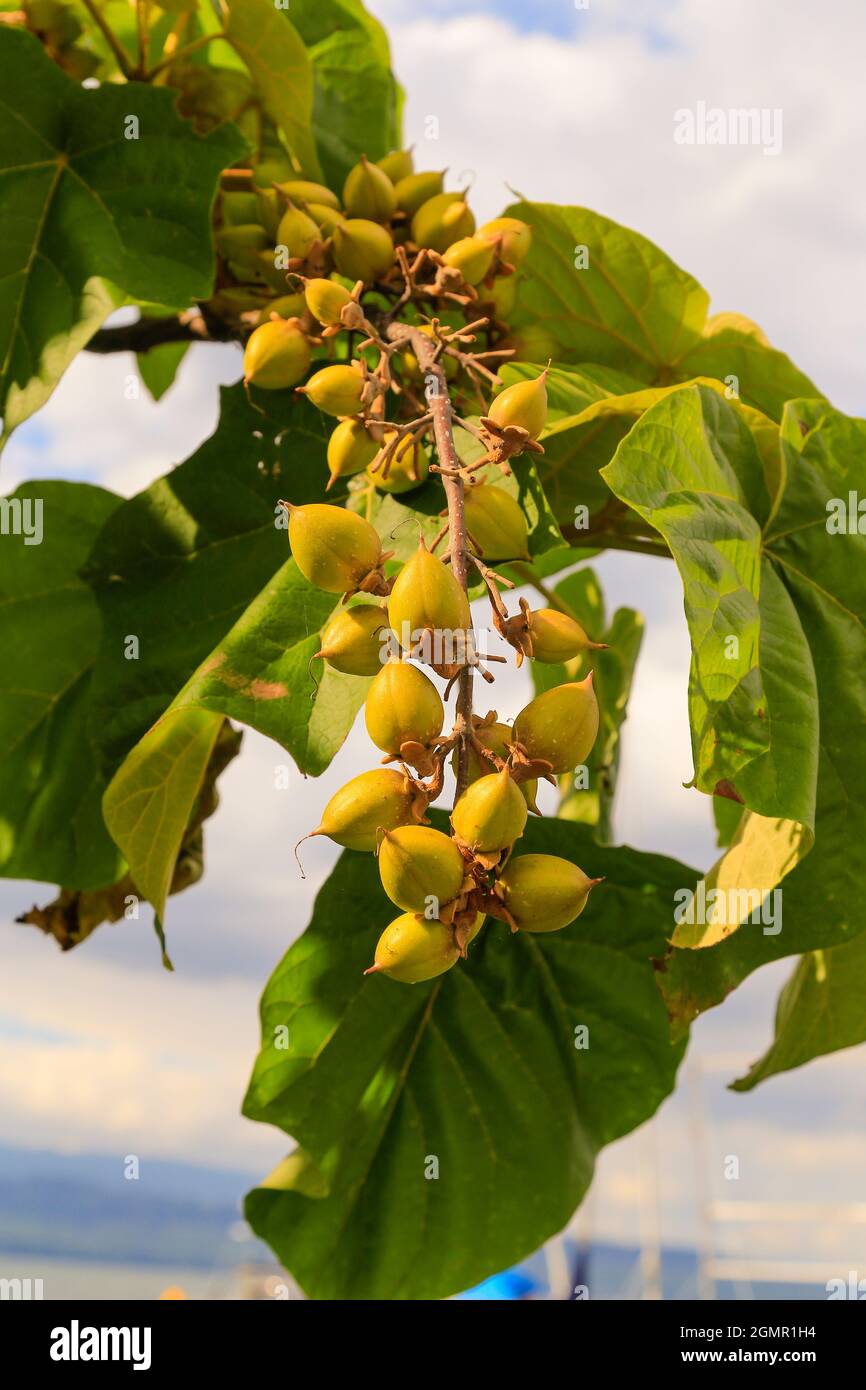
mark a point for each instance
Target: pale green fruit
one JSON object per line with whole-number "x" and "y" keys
{"x": 362, "y": 249}
{"x": 543, "y": 892}
{"x": 426, "y": 596}
{"x": 490, "y": 814}
{"x": 369, "y": 193}
{"x": 523, "y": 404}
{"x": 351, "y": 448}
{"x": 557, "y": 637}
{"x": 561, "y": 725}
{"x": 496, "y": 737}
{"x": 304, "y": 191}
{"x": 472, "y": 256}
{"x": 397, "y": 165}
{"x": 415, "y": 189}
{"x": 403, "y": 706}
{"x": 276, "y": 356}
{"x": 502, "y": 294}
{"x": 496, "y": 523}
{"x": 417, "y": 864}
{"x": 287, "y": 306}
{"x": 298, "y": 232}
{"x": 333, "y": 548}
{"x": 326, "y": 301}
{"x": 336, "y": 390}
{"x": 355, "y": 640}
{"x": 241, "y": 242}
{"x": 514, "y": 236}
{"x": 441, "y": 221}
{"x": 375, "y": 801}
{"x": 408, "y": 468}
{"x": 413, "y": 950}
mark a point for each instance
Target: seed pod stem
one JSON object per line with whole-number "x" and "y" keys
{"x": 438, "y": 398}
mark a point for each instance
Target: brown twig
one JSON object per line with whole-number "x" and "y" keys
{"x": 147, "y": 333}
{"x": 439, "y": 401}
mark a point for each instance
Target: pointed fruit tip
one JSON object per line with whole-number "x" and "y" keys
{"x": 372, "y": 969}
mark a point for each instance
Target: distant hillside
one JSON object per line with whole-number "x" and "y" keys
{"x": 80, "y": 1205}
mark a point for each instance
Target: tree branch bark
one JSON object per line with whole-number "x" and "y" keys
{"x": 148, "y": 333}
{"x": 439, "y": 401}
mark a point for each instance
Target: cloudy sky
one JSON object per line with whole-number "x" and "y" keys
{"x": 102, "y": 1050}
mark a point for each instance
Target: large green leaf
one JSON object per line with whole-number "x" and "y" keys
{"x": 630, "y": 307}
{"x": 824, "y": 576}
{"x": 51, "y": 786}
{"x": 178, "y": 565}
{"x": 613, "y": 671}
{"x": 93, "y": 218}
{"x": 356, "y": 100}
{"x": 148, "y": 803}
{"x": 480, "y": 1070}
{"x": 691, "y": 468}
{"x": 267, "y": 40}
{"x": 821, "y": 1009}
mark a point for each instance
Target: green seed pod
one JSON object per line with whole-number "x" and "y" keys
{"x": 239, "y": 243}
{"x": 288, "y": 306}
{"x": 378, "y": 800}
{"x": 350, "y": 449}
{"x": 543, "y": 892}
{"x": 270, "y": 171}
{"x": 397, "y": 165}
{"x": 268, "y": 211}
{"x": 557, "y": 637}
{"x": 303, "y": 191}
{"x": 426, "y": 595}
{"x": 490, "y": 814}
{"x": 368, "y": 192}
{"x": 441, "y": 221}
{"x": 502, "y": 294}
{"x": 415, "y": 189}
{"x": 403, "y": 706}
{"x": 496, "y": 524}
{"x": 496, "y": 737}
{"x": 532, "y": 344}
{"x": 516, "y": 237}
{"x": 326, "y": 218}
{"x": 412, "y": 950}
{"x": 273, "y": 275}
{"x": 560, "y": 726}
{"x": 409, "y": 466}
{"x": 336, "y": 390}
{"x": 354, "y": 640}
{"x": 416, "y": 864}
{"x": 239, "y": 209}
{"x": 277, "y": 355}
{"x": 326, "y": 300}
{"x": 362, "y": 249}
{"x": 523, "y": 404}
{"x": 472, "y": 256}
{"x": 410, "y": 361}
{"x": 298, "y": 232}
{"x": 333, "y": 548}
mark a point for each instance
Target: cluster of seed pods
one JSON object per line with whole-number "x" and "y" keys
{"x": 394, "y": 285}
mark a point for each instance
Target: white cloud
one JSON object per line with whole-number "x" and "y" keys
{"x": 590, "y": 122}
